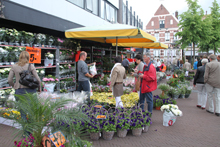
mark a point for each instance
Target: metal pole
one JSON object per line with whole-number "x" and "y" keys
{"x": 116, "y": 46}
{"x": 191, "y": 52}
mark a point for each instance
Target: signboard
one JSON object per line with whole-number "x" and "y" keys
{"x": 57, "y": 138}
{"x": 101, "y": 117}
{"x": 35, "y": 54}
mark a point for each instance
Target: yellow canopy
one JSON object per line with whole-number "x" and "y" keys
{"x": 111, "y": 33}
{"x": 155, "y": 45}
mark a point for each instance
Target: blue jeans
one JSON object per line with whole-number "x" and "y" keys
{"x": 22, "y": 91}
{"x": 85, "y": 86}
{"x": 149, "y": 98}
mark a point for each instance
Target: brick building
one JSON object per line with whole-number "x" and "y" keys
{"x": 163, "y": 26}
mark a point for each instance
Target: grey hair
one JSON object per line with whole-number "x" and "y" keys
{"x": 204, "y": 61}
{"x": 147, "y": 55}
{"x": 212, "y": 56}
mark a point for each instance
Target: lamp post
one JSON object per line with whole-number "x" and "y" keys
{"x": 191, "y": 54}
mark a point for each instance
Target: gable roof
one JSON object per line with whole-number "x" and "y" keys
{"x": 162, "y": 10}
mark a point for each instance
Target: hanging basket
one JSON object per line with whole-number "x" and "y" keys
{"x": 108, "y": 135}
{"x": 122, "y": 133}
{"x": 137, "y": 131}
{"x": 94, "y": 136}
{"x": 145, "y": 129}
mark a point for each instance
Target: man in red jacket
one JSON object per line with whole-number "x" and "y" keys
{"x": 148, "y": 83}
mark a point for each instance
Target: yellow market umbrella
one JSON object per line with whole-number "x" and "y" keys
{"x": 155, "y": 45}
{"x": 111, "y": 33}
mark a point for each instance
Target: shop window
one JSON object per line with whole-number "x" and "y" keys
{"x": 103, "y": 9}
{"x": 89, "y": 5}
{"x": 156, "y": 35}
{"x": 110, "y": 13}
{"x": 167, "y": 36}
{"x": 95, "y": 6}
{"x": 171, "y": 21}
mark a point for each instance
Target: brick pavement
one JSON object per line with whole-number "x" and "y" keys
{"x": 196, "y": 128}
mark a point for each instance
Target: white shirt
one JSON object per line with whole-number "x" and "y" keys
{"x": 158, "y": 64}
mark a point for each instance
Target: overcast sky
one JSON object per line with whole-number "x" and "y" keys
{"x": 145, "y": 9}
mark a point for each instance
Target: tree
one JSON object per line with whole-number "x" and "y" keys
{"x": 215, "y": 16}
{"x": 191, "y": 25}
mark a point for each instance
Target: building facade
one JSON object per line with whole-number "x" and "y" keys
{"x": 55, "y": 16}
{"x": 163, "y": 26}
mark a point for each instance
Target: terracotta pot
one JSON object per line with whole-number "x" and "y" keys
{"x": 145, "y": 129}
{"x": 122, "y": 133}
{"x": 137, "y": 131}
{"x": 158, "y": 108}
{"x": 108, "y": 135}
{"x": 94, "y": 136}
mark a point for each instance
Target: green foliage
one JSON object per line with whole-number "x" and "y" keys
{"x": 191, "y": 25}
{"x": 159, "y": 102}
{"x": 103, "y": 80}
{"x": 182, "y": 78}
{"x": 43, "y": 112}
{"x": 164, "y": 87}
{"x": 173, "y": 82}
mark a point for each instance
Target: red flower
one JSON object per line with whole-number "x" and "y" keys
{"x": 15, "y": 142}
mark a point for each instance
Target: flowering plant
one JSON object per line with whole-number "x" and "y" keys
{"x": 67, "y": 66}
{"x": 5, "y": 71}
{"x": 172, "y": 108}
{"x": 163, "y": 87}
{"x": 40, "y": 71}
{"x": 13, "y": 35}
{"x": 10, "y": 113}
{"x": 174, "y": 91}
{"x": 137, "y": 120}
{"x": 146, "y": 117}
{"x": 50, "y": 79}
{"x": 123, "y": 122}
{"x": 25, "y": 142}
{"x": 49, "y": 55}
{"x": 93, "y": 125}
{"x": 110, "y": 123}
{"x": 189, "y": 90}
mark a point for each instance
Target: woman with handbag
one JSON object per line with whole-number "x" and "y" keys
{"x": 21, "y": 67}
{"x": 140, "y": 66}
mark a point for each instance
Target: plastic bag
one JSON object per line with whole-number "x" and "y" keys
{"x": 168, "y": 118}
{"x": 92, "y": 70}
{"x": 48, "y": 62}
{"x": 49, "y": 87}
{"x": 91, "y": 93}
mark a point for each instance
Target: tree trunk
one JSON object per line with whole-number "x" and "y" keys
{"x": 207, "y": 51}
{"x": 214, "y": 49}
{"x": 193, "y": 52}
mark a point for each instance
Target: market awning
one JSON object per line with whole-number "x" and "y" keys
{"x": 111, "y": 33}
{"x": 155, "y": 45}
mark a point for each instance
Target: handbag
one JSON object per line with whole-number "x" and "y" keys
{"x": 137, "y": 84}
{"x": 27, "y": 79}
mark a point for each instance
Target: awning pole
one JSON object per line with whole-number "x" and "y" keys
{"x": 116, "y": 46}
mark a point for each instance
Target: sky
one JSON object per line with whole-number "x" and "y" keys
{"x": 145, "y": 9}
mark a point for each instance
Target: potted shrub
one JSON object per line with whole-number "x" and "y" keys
{"x": 123, "y": 125}
{"x": 136, "y": 123}
{"x": 158, "y": 104}
{"x": 164, "y": 88}
{"x": 146, "y": 120}
{"x": 175, "y": 92}
{"x": 109, "y": 127}
{"x": 182, "y": 91}
{"x": 188, "y": 92}
{"x": 93, "y": 128}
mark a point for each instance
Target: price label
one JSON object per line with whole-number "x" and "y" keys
{"x": 110, "y": 97}
{"x": 101, "y": 117}
{"x": 57, "y": 138}
{"x": 35, "y": 54}
{"x": 98, "y": 106}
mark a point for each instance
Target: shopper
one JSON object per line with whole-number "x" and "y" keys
{"x": 199, "y": 62}
{"x": 181, "y": 64}
{"x": 212, "y": 84}
{"x": 199, "y": 82}
{"x": 148, "y": 83}
{"x": 187, "y": 65}
{"x": 195, "y": 65}
{"x": 16, "y": 69}
{"x": 83, "y": 75}
{"x": 125, "y": 63}
{"x": 140, "y": 66}
{"x": 161, "y": 67}
{"x": 158, "y": 64}
{"x": 117, "y": 76}
{"x": 178, "y": 63}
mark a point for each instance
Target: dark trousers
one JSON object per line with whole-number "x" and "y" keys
{"x": 149, "y": 97}
{"x": 22, "y": 91}
{"x": 84, "y": 86}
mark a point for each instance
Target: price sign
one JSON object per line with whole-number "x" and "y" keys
{"x": 101, "y": 117}
{"x": 57, "y": 138}
{"x": 35, "y": 54}
{"x": 98, "y": 106}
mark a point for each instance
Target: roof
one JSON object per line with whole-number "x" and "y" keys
{"x": 162, "y": 10}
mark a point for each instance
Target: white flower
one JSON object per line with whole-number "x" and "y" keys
{"x": 37, "y": 71}
{"x": 50, "y": 56}
{"x": 42, "y": 72}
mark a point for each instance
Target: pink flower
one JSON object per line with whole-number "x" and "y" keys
{"x": 15, "y": 142}
{"x": 45, "y": 79}
{"x": 60, "y": 52}
{"x": 57, "y": 79}
{"x": 72, "y": 53}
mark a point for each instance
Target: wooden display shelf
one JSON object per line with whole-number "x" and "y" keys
{"x": 39, "y": 67}
{"x": 5, "y": 88}
{"x": 67, "y": 62}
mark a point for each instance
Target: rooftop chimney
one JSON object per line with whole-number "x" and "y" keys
{"x": 176, "y": 14}
{"x": 206, "y": 12}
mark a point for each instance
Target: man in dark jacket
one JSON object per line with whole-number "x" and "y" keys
{"x": 199, "y": 82}
{"x": 199, "y": 62}
{"x": 148, "y": 83}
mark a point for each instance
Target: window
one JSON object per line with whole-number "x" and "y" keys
{"x": 152, "y": 23}
{"x": 89, "y": 5}
{"x": 128, "y": 17}
{"x": 79, "y": 3}
{"x": 171, "y": 21}
{"x": 156, "y": 35}
{"x": 175, "y": 37}
{"x": 95, "y": 7}
{"x": 165, "y": 53}
{"x": 167, "y": 36}
{"x": 162, "y": 24}
{"x": 124, "y": 14}
{"x": 103, "y": 9}
{"x": 110, "y": 13}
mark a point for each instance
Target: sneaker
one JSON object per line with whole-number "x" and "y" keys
{"x": 217, "y": 114}
{"x": 198, "y": 106}
{"x": 210, "y": 112}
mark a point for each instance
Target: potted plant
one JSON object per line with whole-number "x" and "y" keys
{"x": 146, "y": 120}
{"x": 136, "y": 123}
{"x": 164, "y": 88}
{"x": 174, "y": 92}
{"x": 183, "y": 91}
{"x": 109, "y": 127}
{"x": 188, "y": 92}
{"x": 123, "y": 125}
{"x": 49, "y": 59}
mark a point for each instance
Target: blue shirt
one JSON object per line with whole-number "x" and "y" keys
{"x": 195, "y": 65}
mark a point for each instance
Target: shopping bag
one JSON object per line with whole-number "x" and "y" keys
{"x": 168, "y": 118}
{"x": 91, "y": 93}
{"x": 137, "y": 84}
{"x": 92, "y": 70}
{"x": 48, "y": 62}
{"x": 49, "y": 87}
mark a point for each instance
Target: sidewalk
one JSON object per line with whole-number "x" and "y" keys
{"x": 196, "y": 128}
